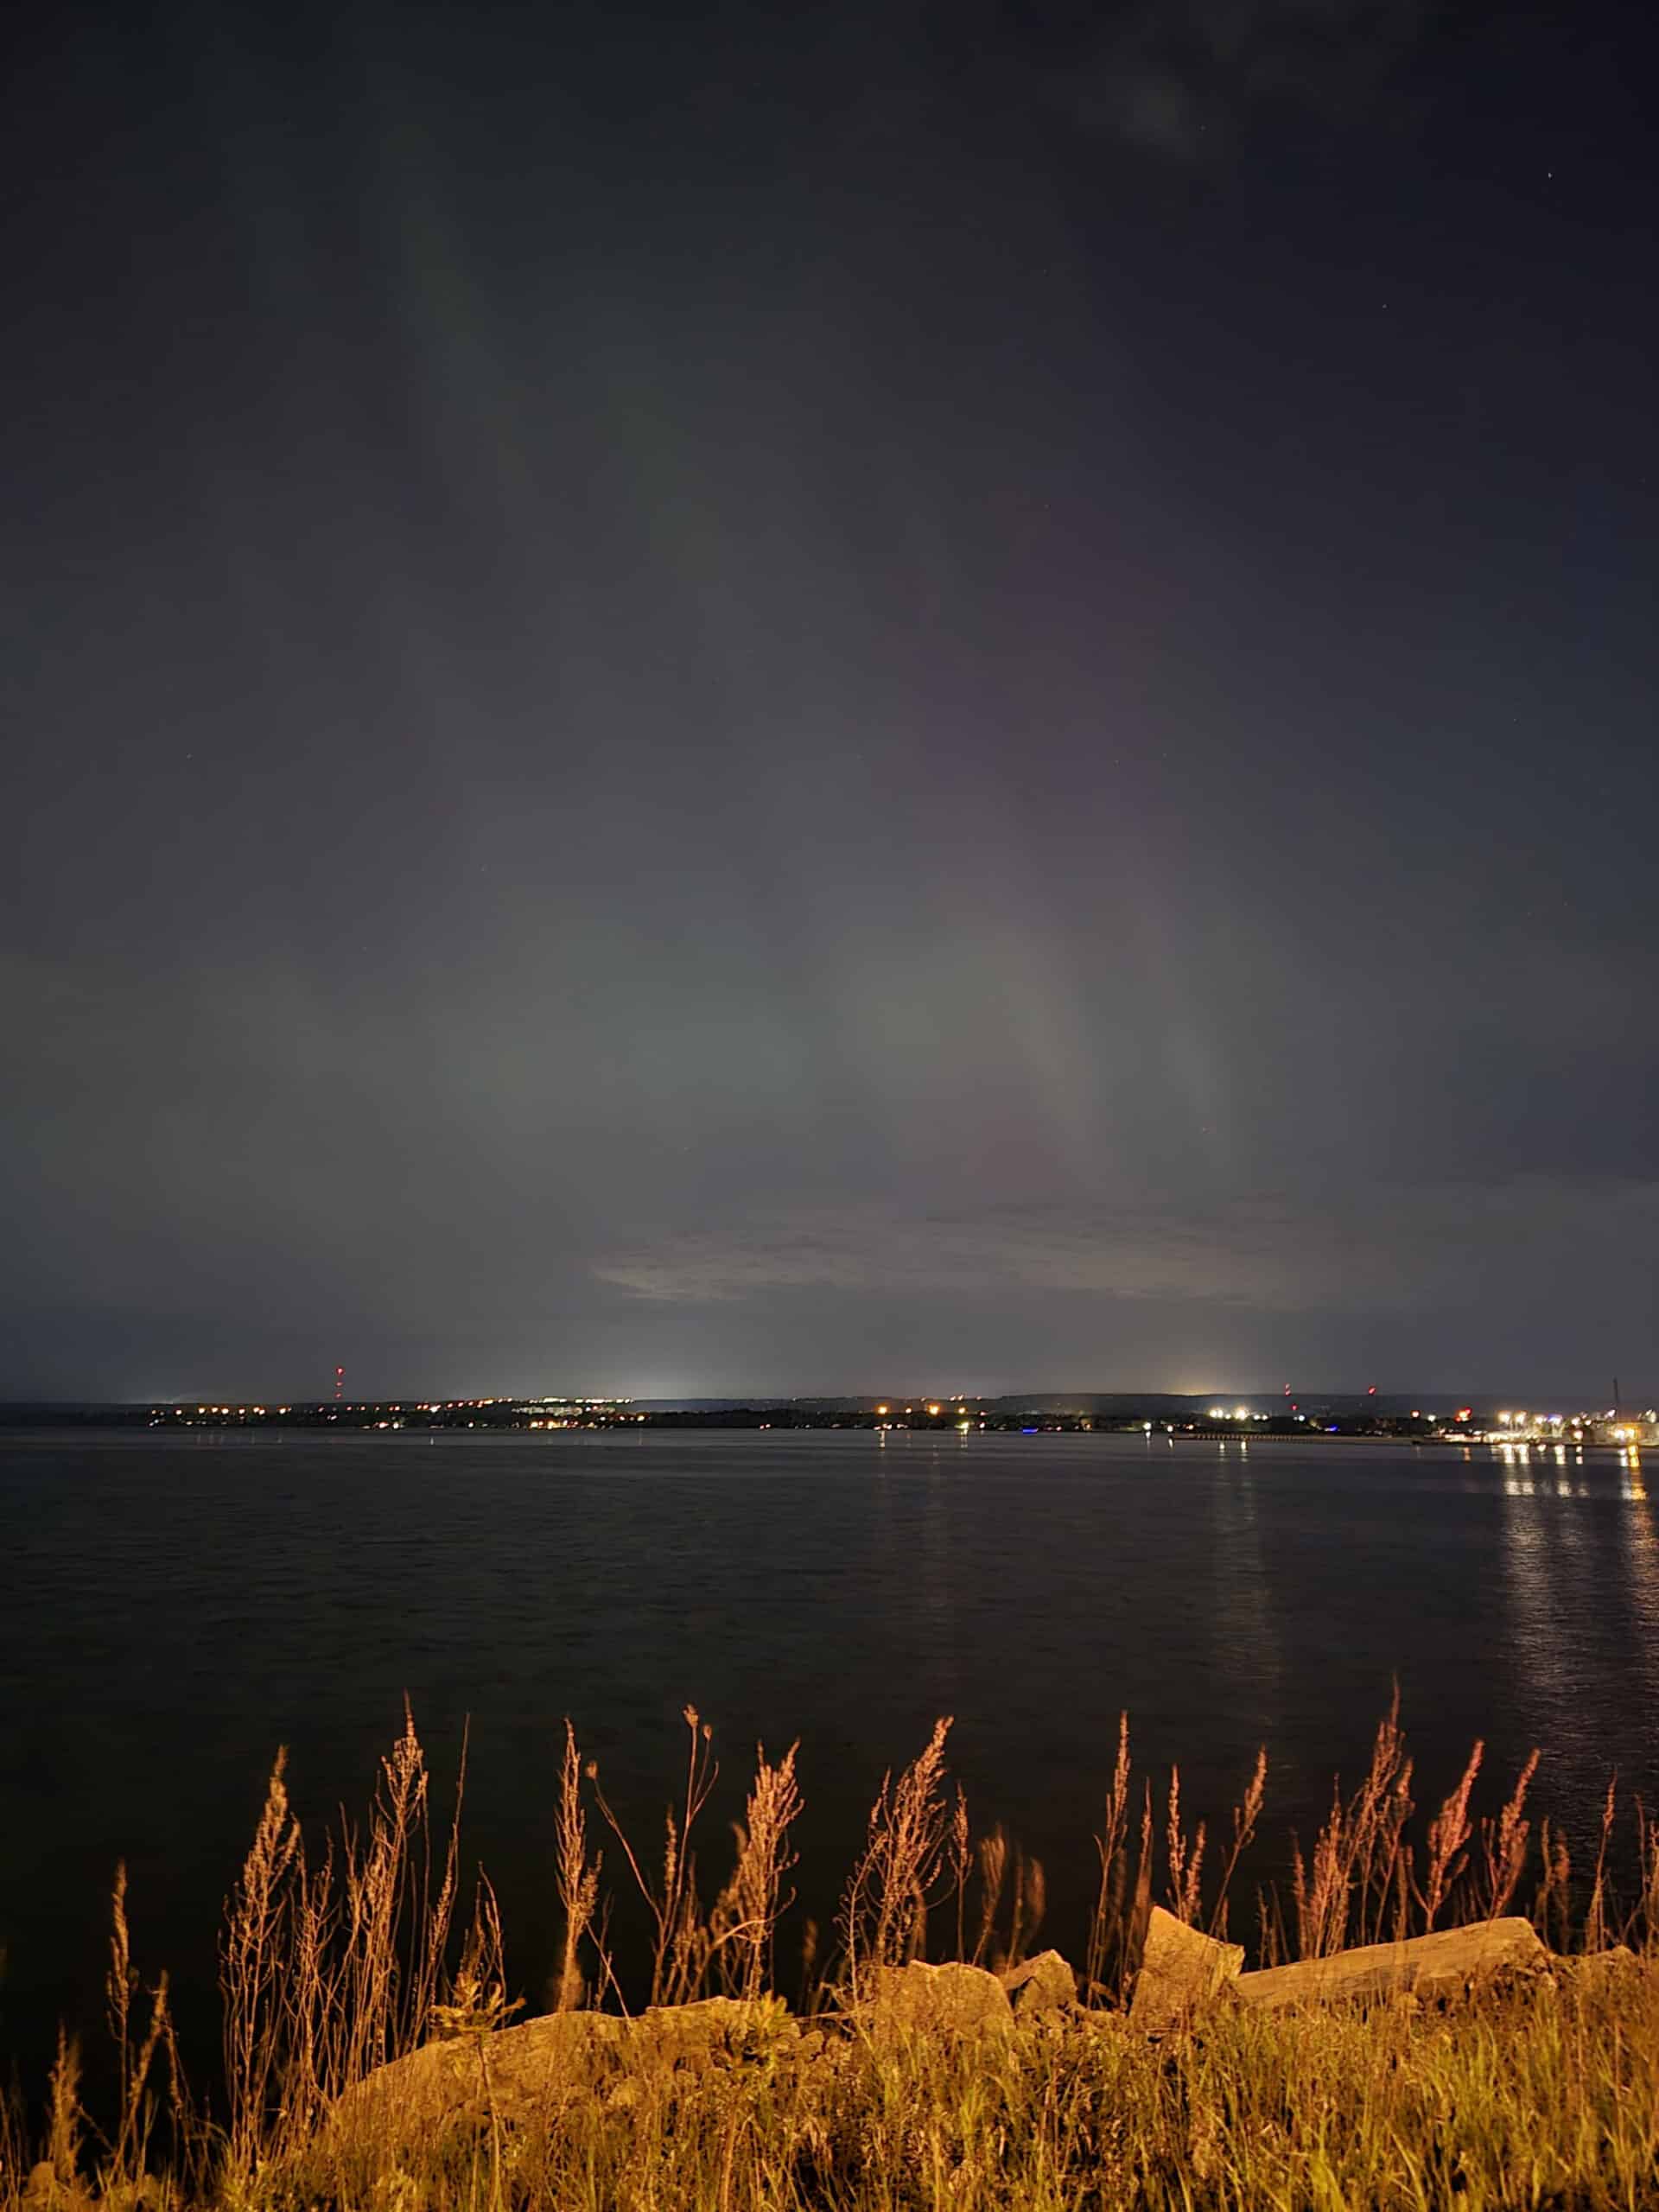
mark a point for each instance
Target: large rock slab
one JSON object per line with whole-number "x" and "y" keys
{"x": 1045, "y": 1984}
{"x": 511, "y": 2070}
{"x": 1183, "y": 1974}
{"x": 517, "y": 2072}
{"x": 937, "y": 2000}
{"x": 1444, "y": 1964}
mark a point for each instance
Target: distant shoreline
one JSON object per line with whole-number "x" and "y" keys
{"x": 519, "y": 1416}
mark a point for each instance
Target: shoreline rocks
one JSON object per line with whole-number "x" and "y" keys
{"x": 1447, "y": 1963}
{"x": 1185, "y": 1979}
{"x": 1045, "y": 1984}
{"x": 952, "y": 1999}
{"x": 1183, "y": 1974}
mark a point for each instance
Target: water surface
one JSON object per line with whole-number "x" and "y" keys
{"x": 172, "y": 1608}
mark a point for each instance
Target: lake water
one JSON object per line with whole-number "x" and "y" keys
{"x": 172, "y": 1608}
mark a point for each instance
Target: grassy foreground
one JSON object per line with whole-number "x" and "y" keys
{"x": 1531, "y": 2100}
{"x": 1543, "y": 2095}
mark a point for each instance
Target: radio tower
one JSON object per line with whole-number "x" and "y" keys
{"x": 339, "y": 1384}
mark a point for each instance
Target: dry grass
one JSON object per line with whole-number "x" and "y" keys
{"x": 1541, "y": 2102}
{"x": 683, "y": 1947}
{"x": 336, "y": 1964}
{"x": 329, "y": 1971}
{"x": 746, "y": 1914}
{"x": 896, "y": 1883}
{"x": 577, "y": 1876}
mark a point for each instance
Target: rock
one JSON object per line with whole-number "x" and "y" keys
{"x": 46, "y": 2190}
{"x": 1596, "y": 1970}
{"x": 514, "y": 2070}
{"x": 1182, "y": 1974}
{"x": 517, "y": 2071}
{"x": 1045, "y": 1984}
{"x": 1444, "y": 1964}
{"x": 935, "y": 2000}
{"x": 715, "y": 2029}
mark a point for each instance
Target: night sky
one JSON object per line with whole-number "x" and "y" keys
{"x": 758, "y": 698}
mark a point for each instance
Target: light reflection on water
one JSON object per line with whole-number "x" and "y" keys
{"x": 1244, "y": 1615}
{"x": 1582, "y": 1574}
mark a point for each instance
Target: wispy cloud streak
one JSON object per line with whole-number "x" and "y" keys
{"x": 1386, "y": 1246}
